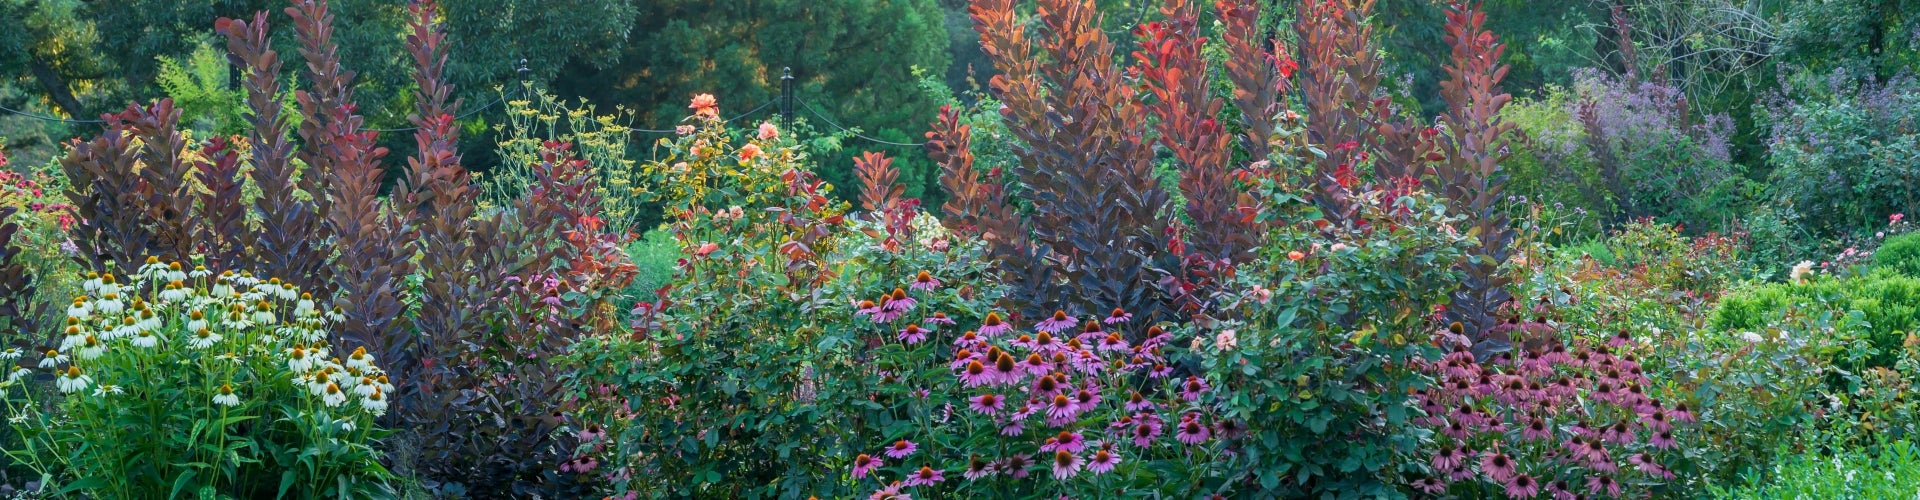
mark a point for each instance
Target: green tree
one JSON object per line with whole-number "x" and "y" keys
{"x": 852, "y": 61}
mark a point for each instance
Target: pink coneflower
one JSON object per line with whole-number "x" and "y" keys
{"x": 1192, "y": 390}
{"x": 913, "y": 334}
{"x": 926, "y": 476}
{"x": 1679, "y": 413}
{"x": 1647, "y": 465}
{"x": 1005, "y": 369}
{"x": 977, "y": 468}
{"x": 1065, "y": 440}
{"x": 1013, "y": 428}
{"x": 940, "y": 318}
{"x": 1450, "y": 458}
{"x": 1160, "y": 370}
{"x": 987, "y": 404}
{"x": 1137, "y": 402}
{"x": 1015, "y": 466}
{"x": 866, "y": 307}
{"x": 975, "y": 374}
{"x": 1036, "y": 365}
{"x": 1045, "y": 344}
{"x": 901, "y": 449}
{"x": 1118, "y": 316}
{"x": 1536, "y": 430}
{"x": 1618, "y": 433}
{"x": 1062, "y": 408}
{"x": 1560, "y": 490}
{"x": 992, "y": 326}
{"x": 863, "y": 464}
{"x": 924, "y": 281}
{"x": 1066, "y": 464}
{"x": 1656, "y": 420}
{"x": 1498, "y": 466}
{"x": 1112, "y": 342}
{"x": 1460, "y": 473}
{"x": 1596, "y": 484}
{"x": 1430, "y": 485}
{"x": 891, "y": 492}
{"x": 899, "y": 301}
{"x": 1102, "y": 462}
{"x": 1662, "y": 440}
{"x": 1192, "y": 432}
{"x": 1523, "y": 486}
{"x": 1059, "y": 321}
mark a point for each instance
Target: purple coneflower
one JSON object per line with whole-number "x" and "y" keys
{"x": 898, "y": 301}
{"x": 940, "y": 318}
{"x": 1059, "y": 321}
{"x": 1065, "y": 440}
{"x": 1648, "y": 466}
{"x": 1112, "y": 342}
{"x": 977, "y": 468}
{"x": 1536, "y": 430}
{"x": 1013, "y": 428}
{"x": 1118, "y": 316}
{"x": 987, "y": 404}
{"x": 1066, "y": 464}
{"x": 1102, "y": 462}
{"x": 901, "y": 449}
{"x": 992, "y": 326}
{"x": 1062, "y": 408}
{"x": 1449, "y": 458}
{"x": 1662, "y": 440}
{"x": 1137, "y": 402}
{"x": 1498, "y": 466}
{"x": 926, "y": 476}
{"x": 1523, "y": 486}
{"x": 1015, "y": 466}
{"x": 975, "y": 375}
{"x": 1192, "y": 432}
{"x": 1560, "y": 490}
{"x": 1597, "y": 484}
{"x": 1036, "y": 365}
{"x": 913, "y": 334}
{"x": 1160, "y": 370}
{"x": 866, "y": 307}
{"x": 863, "y": 464}
{"x": 891, "y": 492}
{"x": 1430, "y": 486}
{"x": 1192, "y": 390}
{"x": 924, "y": 281}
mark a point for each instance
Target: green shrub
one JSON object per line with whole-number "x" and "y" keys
{"x": 1891, "y": 471}
{"x": 1888, "y": 305}
{"x": 1900, "y": 254}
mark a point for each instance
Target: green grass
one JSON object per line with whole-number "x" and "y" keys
{"x": 1891, "y": 472}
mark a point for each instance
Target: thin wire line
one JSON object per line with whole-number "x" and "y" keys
{"x": 462, "y": 116}
{"x": 46, "y": 118}
{"x": 823, "y": 117}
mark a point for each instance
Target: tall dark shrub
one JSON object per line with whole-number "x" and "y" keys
{"x": 220, "y": 217}
{"x": 1176, "y": 77}
{"x": 107, "y": 192}
{"x": 1470, "y": 178}
{"x": 284, "y": 245}
{"x": 16, "y": 284}
{"x": 1340, "y": 72}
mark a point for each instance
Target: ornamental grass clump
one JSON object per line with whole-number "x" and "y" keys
{"x": 178, "y": 381}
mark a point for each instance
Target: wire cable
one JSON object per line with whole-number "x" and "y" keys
{"x": 46, "y": 118}
{"x": 462, "y": 116}
{"x": 729, "y": 120}
{"x": 823, "y": 117}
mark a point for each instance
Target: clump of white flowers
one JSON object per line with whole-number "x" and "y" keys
{"x": 168, "y": 314}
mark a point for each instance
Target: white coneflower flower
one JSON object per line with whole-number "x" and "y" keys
{"x": 11, "y": 353}
{"x": 153, "y": 268}
{"x": 318, "y": 381}
{"x": 226, "y": 397}
{"x": 297, "y": 360}
{"x": 199, "y": 272}
{"x": 80, "y": 309}
{"x": 333, "y": 397}
{"x": 203, "y": 338}
{"x": 109, "y": 304}
{"x": 92, "y": 284}
{"x": 72, "y": 380}
{"x": 128, "y": 327}
{"x": 288, "y": 292}
{"x": 304, "y": 306}
{"x": 74, "y": 337}
{"x": 52, "y": 359}
{"x": 150, "y": 321}
{"x": 174, "y": 292}
{"x": 107, "y": 390}
{"x": 375, "y": 403}
{"x": 1800, "y": 271}
{"x": 360, "y": 359}
{"x": 263, "y": 313}
{"x": 90, "y": 349}
{"x": 236, "y": 320}
{"x": 385, "y": 385}
{"x": 176, "y": 272}
{"x": 367, "y": 386}
{"x": 337, "y": 315}
{"x": 222, "y": 288}
{"x": 145, "y": 339}
{"x": 17, "y": 374}
{"x": 196, "y": 320}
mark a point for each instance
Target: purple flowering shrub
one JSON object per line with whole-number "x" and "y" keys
{"x": 1653, "y": 156}
{"x": 1842, "y": 152}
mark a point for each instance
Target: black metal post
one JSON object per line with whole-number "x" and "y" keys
{"x": 786, "y": 95}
